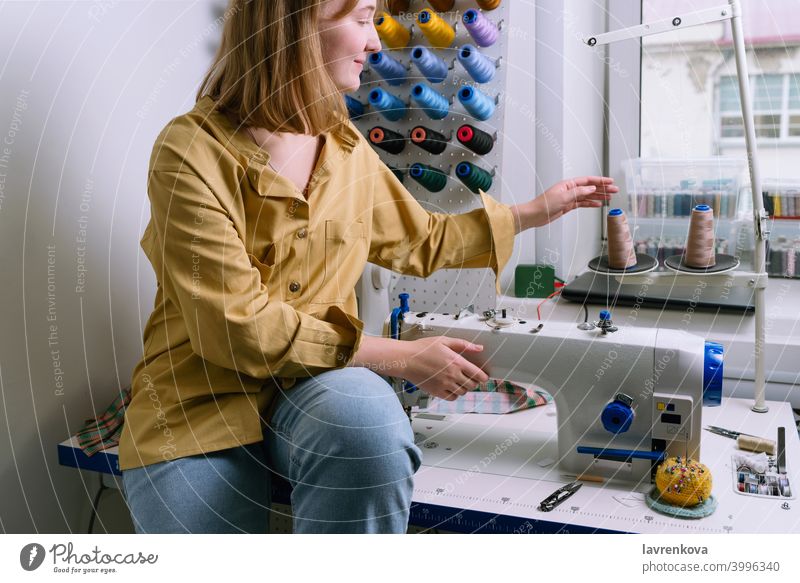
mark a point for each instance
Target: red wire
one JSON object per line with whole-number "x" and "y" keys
{"x": 539, "y": 306}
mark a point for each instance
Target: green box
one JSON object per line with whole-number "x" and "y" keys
{"x": 534, "y": 281}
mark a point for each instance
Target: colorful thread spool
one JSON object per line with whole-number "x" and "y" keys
{"x": 390, "y": 106}
{"x": 387, "y": 140}
{"x": 700, "y": 243}
{"x": 397, "y": 173}
{"x": 474, "y": 177}
{"x": 393, "y": 34}
{"x": 488, "y": 4}
{"x": 474, "y": 139}
{"x": 429, "y": 140}
{"x": 435, "y": 28}
{"x": 620, "y": 242}
{"x": 442, "y": 5}
{"x": 432, "y": 67}
{"x": 480, "y": 28}
{"x": 435, "y": 105}
{"x": 392, "y": 70}
{"x": 398, "y": 6}
{"x": 478, "y": 65}
{"x": 429, "y": 177}
{"x": 354, "y": 107}
{"x": 476, "y": 102}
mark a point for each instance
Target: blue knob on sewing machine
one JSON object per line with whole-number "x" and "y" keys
{"x": 618, "y": 415}
{"x": 605, "y": 324}
{"x": 404, "y": 302}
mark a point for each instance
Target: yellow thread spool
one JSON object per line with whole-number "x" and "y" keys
{"x": 488, "y": 4}
{"x": 435, "y": 28}
{"x": 393, "y": 34}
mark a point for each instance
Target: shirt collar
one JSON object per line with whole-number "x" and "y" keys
{"x": 337, "y": 147}
{"x": 237, "y": 137}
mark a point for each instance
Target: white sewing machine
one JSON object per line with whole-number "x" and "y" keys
{"x": 625, "y": 398}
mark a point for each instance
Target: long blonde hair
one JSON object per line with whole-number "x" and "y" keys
{"x": 269, "y": 70}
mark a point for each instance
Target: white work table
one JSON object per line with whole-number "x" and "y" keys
{"x": 456, "y": 491}
{"x": 463, "y": 487}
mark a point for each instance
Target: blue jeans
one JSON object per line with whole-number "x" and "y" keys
{"x": 341, "y": 439}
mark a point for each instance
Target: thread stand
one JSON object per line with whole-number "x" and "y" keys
{"x": 644, "y": 264}
{"x": 724, "y": 263}
{"x": 757, "y": 279}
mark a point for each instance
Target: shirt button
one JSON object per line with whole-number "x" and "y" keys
{"x": 301, "y": 234}
{"x": 294, "y": 286}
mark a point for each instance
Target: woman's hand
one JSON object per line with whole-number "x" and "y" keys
{"x": 436, "y": 366}
{"x": 433, "y": 364}
{"x": 562, "y": 197}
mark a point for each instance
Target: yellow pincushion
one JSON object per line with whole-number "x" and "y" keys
{"x": 683, "y": 482}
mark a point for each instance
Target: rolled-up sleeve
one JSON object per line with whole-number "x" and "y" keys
{"x": 231, "y": 320}
{"x": 410, "y": 240}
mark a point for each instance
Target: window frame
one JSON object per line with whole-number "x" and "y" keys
{"x": 784, "y": 112}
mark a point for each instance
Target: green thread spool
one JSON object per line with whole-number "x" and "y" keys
{"x": 397, "y": 172}
{"x": 431, "y": 178}
{"x": 473, "y": 177}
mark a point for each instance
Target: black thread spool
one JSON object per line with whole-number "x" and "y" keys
{"x": 429, "y": 140}
{"x": 386, "y": 139}
{"x": 474, "y": 139}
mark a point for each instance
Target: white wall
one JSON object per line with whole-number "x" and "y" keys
{"x": 86, "y": 87}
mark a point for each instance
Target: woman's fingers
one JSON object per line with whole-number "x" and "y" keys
{"x": 593, "y": 180}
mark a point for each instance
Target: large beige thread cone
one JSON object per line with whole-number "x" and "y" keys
{"x": 700, "y": 244}
{"x": 620, "y": 242}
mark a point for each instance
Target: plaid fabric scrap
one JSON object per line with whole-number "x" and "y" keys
{"x": 104, "y": 431}
{"x": 494, "y": 396}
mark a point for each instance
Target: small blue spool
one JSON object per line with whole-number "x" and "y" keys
{"x": 432, "y": 103}
{"x": 476, "y": 103}
{"x": 478, "y": 65}
{"x": 354, "y": 107}
{"x": 391, "y": 107}
{"x": 389, "y": 68}
{"x": 432, "y": 67}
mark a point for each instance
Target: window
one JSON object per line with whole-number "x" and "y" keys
{"x": 774, "y": 99}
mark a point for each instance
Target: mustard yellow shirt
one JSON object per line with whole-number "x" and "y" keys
{"x": 256, "y": 282}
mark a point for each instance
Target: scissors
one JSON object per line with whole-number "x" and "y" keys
{"x": 727, "y": 432}
{"x": 559, "y": 496}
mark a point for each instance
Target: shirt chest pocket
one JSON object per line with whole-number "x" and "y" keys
{"x": 345, "y": 257}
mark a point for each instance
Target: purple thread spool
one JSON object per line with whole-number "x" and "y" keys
{"x": 482, "y": 30}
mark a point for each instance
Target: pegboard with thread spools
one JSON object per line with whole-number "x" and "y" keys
{"x": 431, "y": 104}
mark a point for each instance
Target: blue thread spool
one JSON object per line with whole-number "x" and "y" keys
{"x": 478, "y": 65}
{"x": 354, "y": 107}
{"x": 389, "y": 68}
{"x": 432, "y": 67}
{"x": 390, "y": 106}
{"x": 435, "y": 105}
{"x": 477, "y": 103}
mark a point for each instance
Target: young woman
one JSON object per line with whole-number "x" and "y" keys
{"x": 266, "y": 204}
